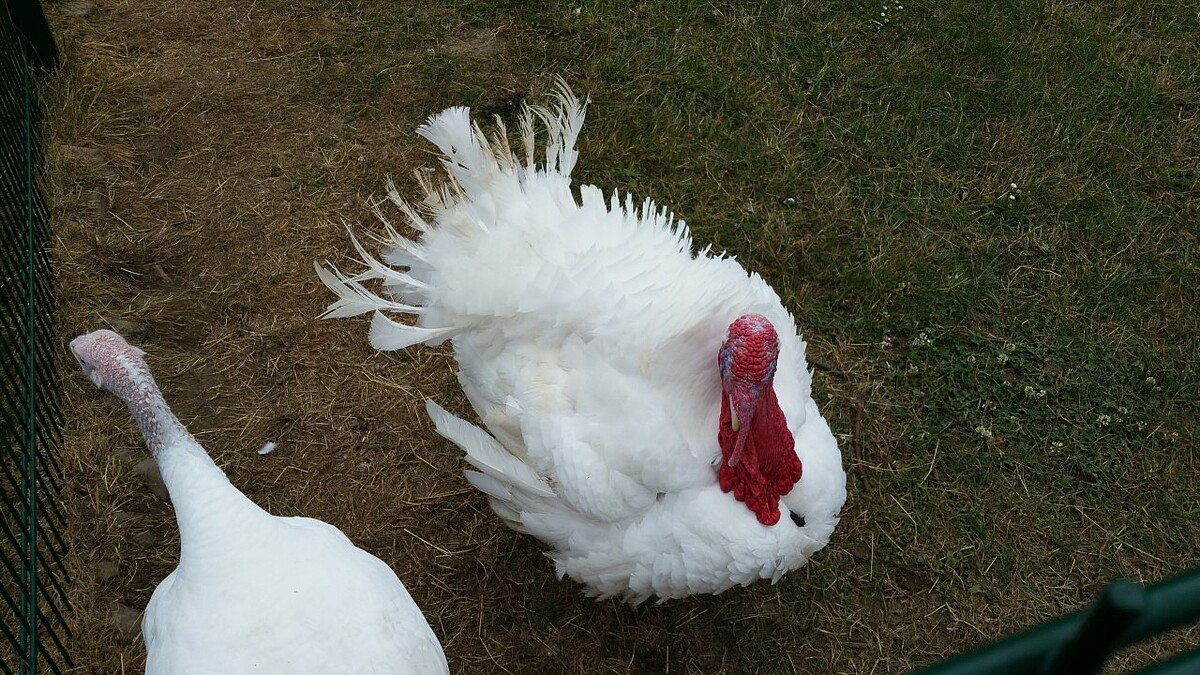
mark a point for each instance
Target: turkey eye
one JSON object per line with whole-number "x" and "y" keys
{"x": 797, "y": 519}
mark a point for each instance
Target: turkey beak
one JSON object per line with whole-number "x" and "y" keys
{"x": 91, "y": 373}
{"x": 741, "y": 412}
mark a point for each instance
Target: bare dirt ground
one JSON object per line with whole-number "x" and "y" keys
{"x": 202, "y": 157}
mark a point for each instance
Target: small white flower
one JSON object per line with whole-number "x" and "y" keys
{"x": 1151, "y": 380}
{"x": 1002, "y": 357}
{"x": 1010, "y": 347}
{"x": 1012, "y": 197}
{"x": 1057, "y": 445}
{"x": 1123, "y": 410}
{"x": 1013, "y": 186}
{"x": 983, "y": 431}
{"x": 1028, "y": 390}
{"x": 914, "y": 369}
{"x": 1103, "y": 420}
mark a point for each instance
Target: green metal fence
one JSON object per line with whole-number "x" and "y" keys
{"x": 32, "y": 575}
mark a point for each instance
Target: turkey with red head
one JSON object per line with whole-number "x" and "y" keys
{"x": 647, "y": 409}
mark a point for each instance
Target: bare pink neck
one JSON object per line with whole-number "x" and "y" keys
{"x": 213, "y": 516}
{"x": 180, "y": 457}
{"x": 160, "y": 427}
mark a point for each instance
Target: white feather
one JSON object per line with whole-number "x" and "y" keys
{"x": 489, "y": 486}
{"x": 354, "y": 299}
{"x": 388, "y": 335}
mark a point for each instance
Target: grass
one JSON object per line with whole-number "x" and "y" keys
{"x": 984, "y": 217}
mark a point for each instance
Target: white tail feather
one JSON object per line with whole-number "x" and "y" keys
{"x": 472, "y": 162}
{"x": 353, "y": 297}
{"x": 468, "y": 155}
{"x": 562, "y": 123}
{"x": 377, "y": 270}
{"x": 388, "y": 335}
{"x": 393, "y": 194}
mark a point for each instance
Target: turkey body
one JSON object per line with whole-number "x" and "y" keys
{"x": 296, "y": 597}
{"x": 253, "y": 592}
{"x": 586, "y": 332}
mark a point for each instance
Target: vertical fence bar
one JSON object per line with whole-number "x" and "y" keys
{"x": 30, "y": 641}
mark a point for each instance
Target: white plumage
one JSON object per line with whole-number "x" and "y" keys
{"x": 255, "y": 593}
{"x": 586, "y": 333}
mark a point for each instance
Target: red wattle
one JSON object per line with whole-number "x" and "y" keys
{"x": 769, "y": 466}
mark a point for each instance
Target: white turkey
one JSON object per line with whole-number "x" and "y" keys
{"x": 648, "y": 410}
{"x": 255, "y": 593}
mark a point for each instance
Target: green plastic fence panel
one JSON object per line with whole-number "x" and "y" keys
{"x": 1124, "y": 614}
{"x": 33, "y": 628}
